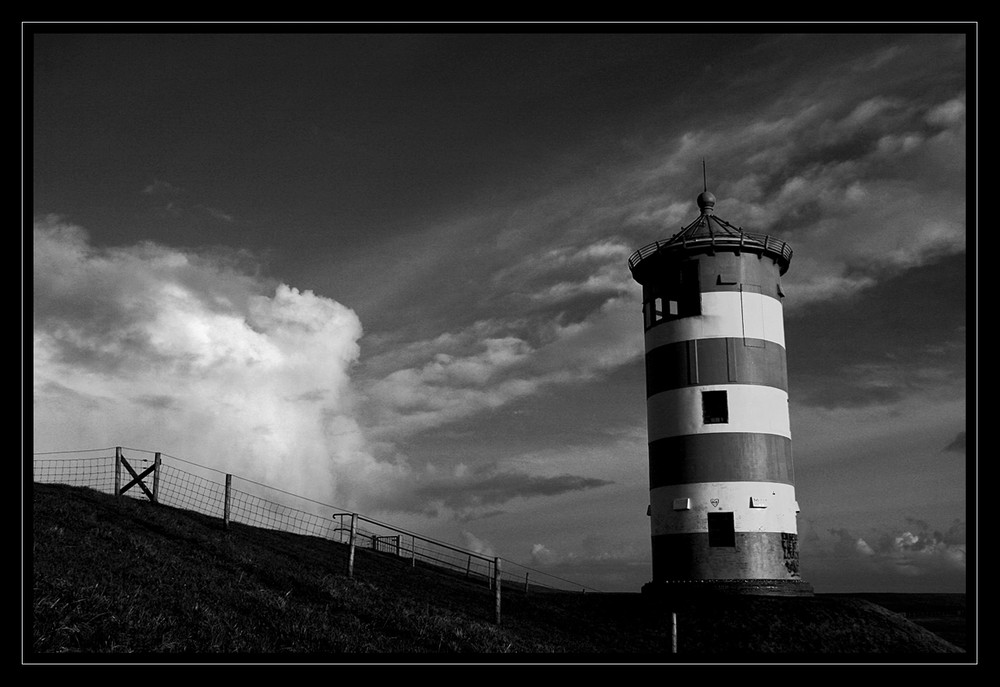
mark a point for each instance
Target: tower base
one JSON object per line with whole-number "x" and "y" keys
{"x": 713, "y": 588}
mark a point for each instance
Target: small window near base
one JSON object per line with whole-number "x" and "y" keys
{"x": 758, "y": 502}
{"x": 682, "y": 504}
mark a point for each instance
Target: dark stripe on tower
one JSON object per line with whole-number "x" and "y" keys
{"x": 720, "y": 457}
{"x": 726, "y": 271}
{"x": 689, "y": 556}
{"x": 715, "y": 361}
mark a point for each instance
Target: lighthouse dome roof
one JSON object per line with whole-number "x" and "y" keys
{"x": 706, "y": 234}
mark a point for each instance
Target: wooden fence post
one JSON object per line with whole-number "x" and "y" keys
{"x": 673, "y": 633}
{"x": 118, "y": 470}
{"x": 156, "y": 477}
{"x": 413, "y": 552}
{"x": 225, "y": 507}
{"x": 350, "y": 555}
{"x": 496, "y": 575}
{"x": 525, "y": 583}
{"x": 468, "y": 566}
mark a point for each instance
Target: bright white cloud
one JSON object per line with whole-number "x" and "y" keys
{"x": 473, "y": 543}
{"x": 163, "y": 350}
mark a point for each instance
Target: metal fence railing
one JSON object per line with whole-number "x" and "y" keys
{"x": 136, "y": 473}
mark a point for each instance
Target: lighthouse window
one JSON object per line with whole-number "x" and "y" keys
{"x": 715, "y": 407}
{"x": 679, "y": 295}
{"x": 721, "y": 529}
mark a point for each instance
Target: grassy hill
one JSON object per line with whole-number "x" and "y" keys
{"x": 127, "y": 580}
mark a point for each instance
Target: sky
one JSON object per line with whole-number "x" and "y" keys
{"x": 385, "y": 267}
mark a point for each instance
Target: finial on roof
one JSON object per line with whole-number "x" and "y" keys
{"x": 706, "y": 200}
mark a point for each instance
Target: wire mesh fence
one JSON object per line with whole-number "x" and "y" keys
{"x": 171, "y": 481}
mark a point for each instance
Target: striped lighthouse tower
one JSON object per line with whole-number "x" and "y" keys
{"x": 722, "y": 498}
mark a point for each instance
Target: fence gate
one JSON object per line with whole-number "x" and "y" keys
{"x": 137, "y": 479}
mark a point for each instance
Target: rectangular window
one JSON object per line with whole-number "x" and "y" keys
{"x": 715, "y": 407}
{"x": 689, "y": 295}
{"x": 721, "y": 529}
{"x": 679, "y": 294}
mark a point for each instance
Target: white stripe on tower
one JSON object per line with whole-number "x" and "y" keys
{"x": 732, "y": 314}
{"x": 757, "y": 506}
{"x": 752, "y": 408}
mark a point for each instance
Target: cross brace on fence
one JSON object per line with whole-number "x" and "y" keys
{"x": 136, "y": 478}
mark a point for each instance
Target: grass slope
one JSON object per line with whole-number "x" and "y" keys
{"x": 122, "y": 579}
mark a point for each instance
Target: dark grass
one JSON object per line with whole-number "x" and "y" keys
{"x": 127, "y": 580}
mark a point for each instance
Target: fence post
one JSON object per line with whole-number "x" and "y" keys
{"x": 673, "y": 633}
{"x": 413, "y": 551}
{"x": 468, "y": 566}
{"x": 225, "y": 507}
{"x": 118, "y": 470}
{"x": 156, "y": 477}
{"x": 525, "y": 583}
{"x": 350, "y": 555}
{"x": 496, "y": 575}
{"x": 397, "y": 546}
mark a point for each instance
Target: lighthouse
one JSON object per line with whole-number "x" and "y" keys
{"x": 722, "y": 503}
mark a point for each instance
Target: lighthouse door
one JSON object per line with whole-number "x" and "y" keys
{"x": 721, "y": 529}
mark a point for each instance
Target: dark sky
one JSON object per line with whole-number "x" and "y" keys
{"x": 388, "y": 270}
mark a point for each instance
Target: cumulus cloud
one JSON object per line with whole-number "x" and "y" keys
{"x": 184, "y": 353}
{"x": 477, "y": 545}
{"x": 913, "y": 557}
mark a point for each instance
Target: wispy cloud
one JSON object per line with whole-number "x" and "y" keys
{"x": 462, "y": 373}
{"x": 219, "y": 214}
{"x": 479, "y": 491}
{"x": 956, "y": 445}
{"x": 158, "y": 187}
{"x": 176, "y": 201}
